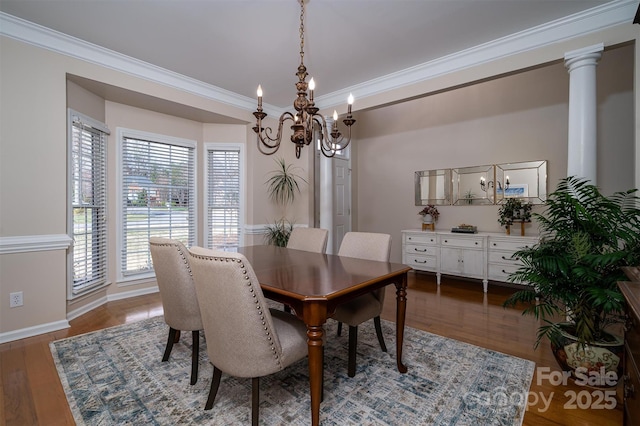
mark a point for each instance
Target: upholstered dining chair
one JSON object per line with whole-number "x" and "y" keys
{"x": 309, "y": 239}
{"x": 244, "y": 337}
{"x": 370, "y": 246}
{"x": 178, "y": 293}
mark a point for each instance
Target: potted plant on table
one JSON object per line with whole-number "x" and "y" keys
{"x": 429, "y": 213}
{"x": 586, "y": 238}
{"x": 514, "y": 209}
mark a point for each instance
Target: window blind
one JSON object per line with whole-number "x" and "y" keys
{"x": 88, "y": 161}
{"x": 158, "y": 198}
{"x": 223, "y": 199}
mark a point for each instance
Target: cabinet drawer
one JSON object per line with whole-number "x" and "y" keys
{"x": 501, "y": 272}
{"x": 421, "y": 262}
{"x": 422, "y": 239}
{"x": 421, "y": 250}
{"x": 461, "y": 242}
{"x": 508, "y": 245}
{"x": 503, "y": 257}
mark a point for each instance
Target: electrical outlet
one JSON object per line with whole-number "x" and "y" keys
{"x": 15, "y": 299}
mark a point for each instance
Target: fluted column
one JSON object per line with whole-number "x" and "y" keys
{"x": 581, "y": 158}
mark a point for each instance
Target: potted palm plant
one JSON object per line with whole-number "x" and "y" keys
{"x": 282, "y": 187}
{"x": 586, "y": 238}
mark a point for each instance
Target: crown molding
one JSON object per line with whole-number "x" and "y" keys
{"x": 46, "y": 38}
{"x": 590, "y": 21}
{"x": 596, "y": 19}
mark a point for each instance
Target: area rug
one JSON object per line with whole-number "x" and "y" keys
{"x": 115, "y": 376}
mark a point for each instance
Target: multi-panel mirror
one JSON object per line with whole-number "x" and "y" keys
{"x": 482, "y": 185}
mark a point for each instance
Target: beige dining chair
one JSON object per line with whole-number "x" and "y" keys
{"x": 308, "y": 239}
{"x": 370, "y": 246}
{"x": 244, "y": 337}
{"x": 178, "y": 293}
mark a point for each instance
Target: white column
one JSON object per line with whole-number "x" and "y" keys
{"x": 581, "y": 158}
{"x": 326, "y": 194}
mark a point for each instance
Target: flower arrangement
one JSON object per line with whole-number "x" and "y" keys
{"x": 430, "y": 209}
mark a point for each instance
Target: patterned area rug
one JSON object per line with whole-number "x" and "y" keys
{"x": 115, "y": 376}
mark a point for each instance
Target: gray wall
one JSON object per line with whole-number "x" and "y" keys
{"x": 520, "y": 117}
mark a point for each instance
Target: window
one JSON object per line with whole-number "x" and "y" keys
{"x": 88, "y": 204}
{"x": 224, "y": 194}
{"x": 157, "y": 196}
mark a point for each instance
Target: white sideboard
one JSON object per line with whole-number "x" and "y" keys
{"x": 485, "y": 255}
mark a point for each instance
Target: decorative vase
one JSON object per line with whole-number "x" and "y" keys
{"x": 597, "y": 364}
{"x": 427, "y": 218}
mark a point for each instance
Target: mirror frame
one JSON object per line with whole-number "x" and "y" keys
{"x": 433, "y": 174}
{"x": 539, "y": 168}
{"x": 471, "y": 176}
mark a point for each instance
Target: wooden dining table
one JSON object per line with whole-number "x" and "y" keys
{"x": 314, "y": 284}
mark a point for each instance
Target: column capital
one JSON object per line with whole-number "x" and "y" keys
{"x": 586, "y": 56}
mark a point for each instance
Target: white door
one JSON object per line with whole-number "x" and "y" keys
{"x": 341, "y": 200}
{"x": 334, "y": 201}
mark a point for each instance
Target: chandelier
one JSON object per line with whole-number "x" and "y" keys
{"x": 307, "y": 124}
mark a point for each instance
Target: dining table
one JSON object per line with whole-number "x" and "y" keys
{"x": 314, "y": 284}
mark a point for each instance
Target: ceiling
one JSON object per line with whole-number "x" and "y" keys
{"x": 237, "y": 44}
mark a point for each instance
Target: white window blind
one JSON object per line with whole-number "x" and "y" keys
{"x": 223, "y": 198}
{"x": 88, "y": 196}
{"x": 158, "y": 197}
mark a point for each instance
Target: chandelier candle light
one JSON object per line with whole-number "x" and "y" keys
{"x": 306, "y": 120}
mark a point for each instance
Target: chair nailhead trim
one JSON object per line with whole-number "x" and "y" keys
{"x": 276, "y": 356}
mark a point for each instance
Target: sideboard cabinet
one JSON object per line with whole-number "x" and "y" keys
{"x": 485, "y": 256}
{"x": 631, "y": 378}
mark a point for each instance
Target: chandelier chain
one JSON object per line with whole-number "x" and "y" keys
{"x": 301, "y": 31}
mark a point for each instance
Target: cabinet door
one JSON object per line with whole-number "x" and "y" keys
{"x": 473, "y": 263}
{"x": 450, "y": 260}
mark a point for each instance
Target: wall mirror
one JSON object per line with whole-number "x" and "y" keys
{"x": 466, "y": 185}
{"x": 482, "y": 185}
{"x": 527, "y": 180}
{"x": 433, "y": 187}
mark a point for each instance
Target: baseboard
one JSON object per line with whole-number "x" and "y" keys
{"x": 23, "y": 333}
{"x": 132, "y": 293}
{"x": 71, "y": 315}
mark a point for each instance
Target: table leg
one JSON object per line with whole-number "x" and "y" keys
{"x": 316, "y": 367}
{"x": 401, "y": 309}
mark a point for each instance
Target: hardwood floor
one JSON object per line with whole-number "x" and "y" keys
{"x": 32, "y": 393}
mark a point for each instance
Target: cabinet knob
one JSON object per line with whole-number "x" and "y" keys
{"x": 504, "y": 272}
{"x": 494, "y": 244}
{"x": 446, "y": 241}
{"x": 476, "y": 243}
